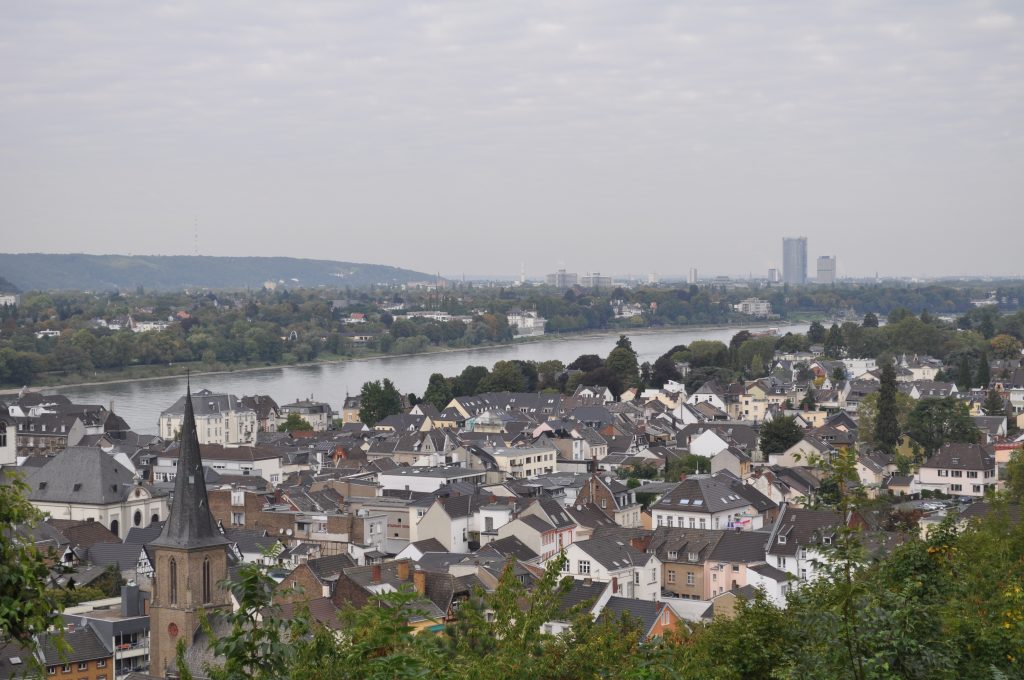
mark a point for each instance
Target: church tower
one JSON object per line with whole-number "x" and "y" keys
{"x": 190, "y": 558}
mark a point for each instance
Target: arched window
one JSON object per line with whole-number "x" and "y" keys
{"x": 115, "y": 527}
{"x": 154, "y": 518}
{"x": 173, "y": 580}
{"x": 206, "y": 581}
{"x": 137, "y": 518}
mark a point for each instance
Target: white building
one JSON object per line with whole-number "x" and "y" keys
{"x": 960, "y": 470}
{"x": 220, "y": 419}
{"x": 754, "y": 307}
{"x": 632, "y": 573}
{"x": 526, "y": 324}
{"x": 85, "y": 484}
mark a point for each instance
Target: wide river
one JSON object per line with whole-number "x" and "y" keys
{"x": 140, "y": 401}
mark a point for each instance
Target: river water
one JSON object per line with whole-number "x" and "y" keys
{"x": 140, "y": 402}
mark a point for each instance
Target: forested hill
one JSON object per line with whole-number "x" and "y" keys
{"x": 37, "y": 271}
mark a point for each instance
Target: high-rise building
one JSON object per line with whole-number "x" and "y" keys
{"x": 794, "y": 260}
{"x": 827, "y": 269}
{"x": 692, "y": 277}
{"x": 774, "y": 276}
{"x": 562, "y": 279}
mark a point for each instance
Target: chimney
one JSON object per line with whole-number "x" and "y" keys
{"x": 71, "y": 628}
{"x": 419, "y": 581}
{"x": 682, "y": 476}
{"x": 640, "y": 542}
{"x": 375, "y": 577}
{"x": 403, "y": 570}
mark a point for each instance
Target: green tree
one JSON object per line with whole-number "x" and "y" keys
{"x": 834, "y": 342}
{"x": 993, "y": 404}
{"x": 935, "y": 422}
{"x": 1015, "y": 476}
{"x": 27, "y": 608}
{"x": 663, "y": 371}
{"x": 808, "y": 403}
{"x": 294, "y": 423}
{"x": 779, "y": 434}
{"x": 505, "y": 376}
{"x": 982, "y": 378}
{"x": 439, "y": 392}
{"x": 964, "y": 380}
{"x": 887, "y": 428}
{"x": 379, "y": 400}
{"x": 816, "y": 334}
{"x": 622, "y": 362}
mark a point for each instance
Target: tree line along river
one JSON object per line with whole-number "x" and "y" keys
{"x": 140, "y": 402}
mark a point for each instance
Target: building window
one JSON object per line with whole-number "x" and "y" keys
{"x": 101, "y": 663}
{"x": 636, "y": 577}
{"x": 803, "y": 553}
{"x": 207, "y": 590}
{"x": 173, "y": 582}
{"x": 671, "y": 577}
{"x": 661, "y": 520}
{"x": 803, "y": 573}
{"x": 604, "y": 503}
{"x": 583, "y": 566}
{"x": 972, "y": 474}
{"x": 83, "y": 665}
{"x": 956, "y": 487}
{"x": 958, "y": 473}
{"x": 237, "y": 518}
{"x": 565, "y": 567}
{"x": 689, "y": 578}
{"x": 703, "y": 523}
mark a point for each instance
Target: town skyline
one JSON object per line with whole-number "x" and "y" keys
{"x": 685, "y": 136}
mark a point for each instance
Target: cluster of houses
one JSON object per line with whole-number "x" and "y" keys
{"x": 442, "y": 502}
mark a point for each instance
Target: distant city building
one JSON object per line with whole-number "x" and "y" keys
{"x": 794, "y": 260}
{"x": 774, "y": 276}
{"x": 827, "y": 269}
{"x": 652, "y": 278}
{"x": 691, "y": 278}
{"x": 562, "y": 279}
{"x": 10, "y": 299}
{"x": 596, "y": 280}
{"x": 754, "y": 307}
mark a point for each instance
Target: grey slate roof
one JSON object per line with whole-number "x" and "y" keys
{"x": 81, "y": 474}
{"x": 144, "y": 534}
{"x": 643, "y": 611}
{"x": 741, "y": 546}
{"x": 83, "y": 645}
{"x": 613, "y": 554}
{"x": 124, "y": 555}
{"x": 510, "y": 546}
{"x": 958, "y": 456}
{"x": 206, "y": 403}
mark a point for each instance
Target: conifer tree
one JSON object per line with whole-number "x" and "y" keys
{"x": 983, "y": 377}
{"x": 887, "y": 427}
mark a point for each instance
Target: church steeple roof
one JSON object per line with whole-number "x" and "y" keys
{"x": 190, "y": 524}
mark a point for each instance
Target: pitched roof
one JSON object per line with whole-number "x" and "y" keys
{"x": 802, "y": 528}
{"x": 957, "y": 456}
{"x": 82, "y": 645}
{"x": 643, "y": 611}
{"x": 190, "y": 523}
{"x": 613, "y": 554}
{"x": 81, "y": 474}
{"x": 510, "y": 546}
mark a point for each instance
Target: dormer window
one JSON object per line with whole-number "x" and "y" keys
{"x": 827, "y": 540}
{"x": 672, "y": 555}
{"x": 692, "y": 557}
{"x": 782, "y": 539}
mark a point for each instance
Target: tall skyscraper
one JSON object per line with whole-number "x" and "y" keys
{"x": 827, "y": 269}
{"x": 794, "y": 260}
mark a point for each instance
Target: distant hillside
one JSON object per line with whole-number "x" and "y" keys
{"x": 7, "y": 287}
{"x": 37, "y": 271}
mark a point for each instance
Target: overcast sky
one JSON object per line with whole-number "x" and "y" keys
{"x": 621, "y": 137}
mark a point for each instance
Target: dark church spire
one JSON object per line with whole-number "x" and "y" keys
{"x": 190, "y": 524}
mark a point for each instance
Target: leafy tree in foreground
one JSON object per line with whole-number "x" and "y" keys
{"x": 780, "y": 434}
{"x": 935, "y": 422}
{"x": 380, "y": 399}
{"x": 294, "y": 423}
{"x": 26, "y": 606}
{"x": 439, "y": 392}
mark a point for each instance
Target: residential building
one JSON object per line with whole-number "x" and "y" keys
{"x": 960, "y": 470}
{"x": 719, "y": 502}
{"x": 754, "y": 307}
{"x": 316, "y": 413}
{"x": 799, "y": 541}
{"x": 220, "y": 419}
{"x": 631, "y": 572}
{"x": 526, "y": 324}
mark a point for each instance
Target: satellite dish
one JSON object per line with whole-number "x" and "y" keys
{"x": 289, "y": 532}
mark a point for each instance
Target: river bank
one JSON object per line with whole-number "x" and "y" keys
{"x": 179, "y": 371}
